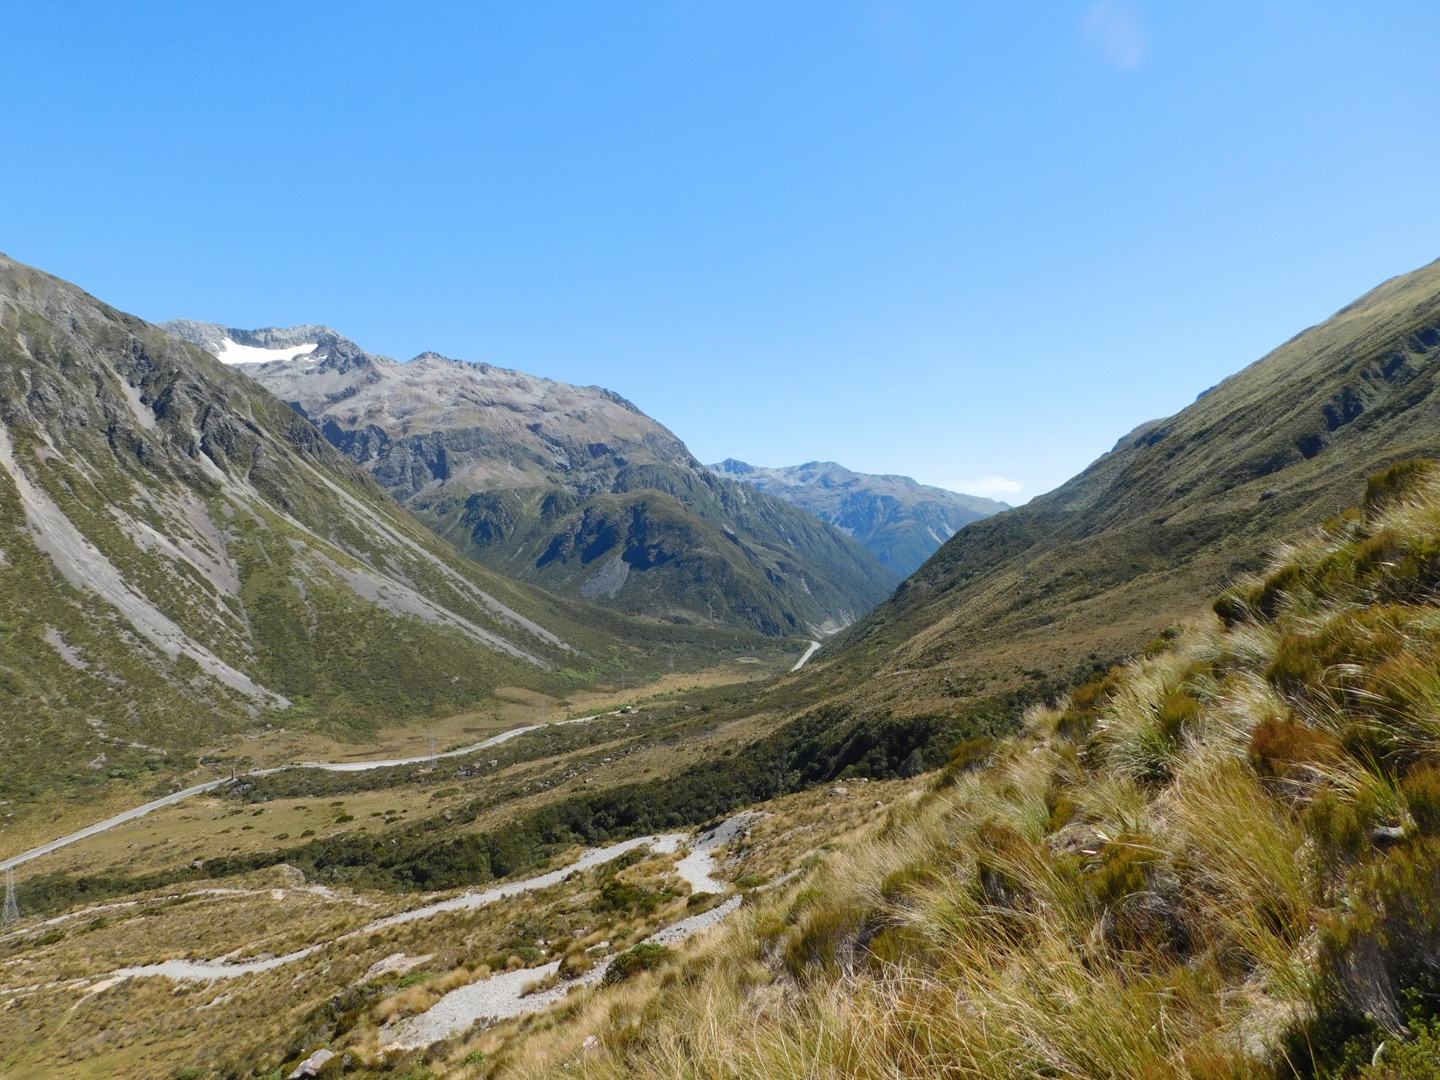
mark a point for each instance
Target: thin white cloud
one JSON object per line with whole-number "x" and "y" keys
{"x": 1112, "y": 28}
{"x": 995, "y": 485}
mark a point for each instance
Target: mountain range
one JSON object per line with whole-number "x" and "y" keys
{"x": 568, "y": 487}
{"x": 182, "y": 556}
{"x": 899, "y": 521}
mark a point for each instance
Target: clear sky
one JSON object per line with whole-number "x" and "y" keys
{"x": 970, "y": 242}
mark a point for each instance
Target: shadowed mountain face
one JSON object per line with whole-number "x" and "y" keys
{"x": 1180, "y": 507}
{"x": 899, "y": 521}
{"x": 570, "y": 487}
{"x": 181, "y": 554}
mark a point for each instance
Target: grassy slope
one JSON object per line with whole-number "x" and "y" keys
{"x": 1220, "y": 861}
{"x": 1144, "y": 535}
{"x": 263, "y": 1025}
{"x": 1124, "y": 760}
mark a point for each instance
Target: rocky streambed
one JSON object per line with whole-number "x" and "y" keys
{"x": 511, "y": 993}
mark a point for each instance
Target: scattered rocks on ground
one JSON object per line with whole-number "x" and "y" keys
{"x": 312, "y": 1065}
{"x": 1385, "y": 835}
{"x": 395, "y": 962}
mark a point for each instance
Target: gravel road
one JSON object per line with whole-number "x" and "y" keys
{"x": 211, "y": 785}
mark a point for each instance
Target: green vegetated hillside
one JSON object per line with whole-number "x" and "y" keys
{"x": 572, "y": 488}
{"x": 1174, "y": 512}
{"x": 668, "y": 542}
{"x": 1219, "y": 860}
{"x": 899, "y": 521}
{"x": 181, "y": 555}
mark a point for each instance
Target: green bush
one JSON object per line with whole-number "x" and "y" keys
{"x": 1295, "y": 667}
{"x": 1177, "y": 714}
{"x": 968, "y": 754}
{"x": 1123, "y": 868}
{"x": 633, "y": 961}
{"x": 1422, "y": 797}
{"x": 1232, "y": 607}
{"x": 625, "y": 898}
{"x": 1418, "y": 1058}
{"x": 1086, "y": 701}
{"x": 825, "y": 935}
{"x": 1341, "y": 827}
{"x": 1375, "y": 970}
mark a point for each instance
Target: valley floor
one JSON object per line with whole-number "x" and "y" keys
{"x": 125, "y": 988}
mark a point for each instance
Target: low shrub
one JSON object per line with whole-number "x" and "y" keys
{"x": 633, "y": 961}
{"x": 1376, "y": 970}
{"x": 626, "y": 898}
{"x": 968, "y": 754}
{"x": 1393, "y": 485}
{"x": 575, "y": 964}
{"x": 1279, "y": 746}
{"x": 1421, "y": 789}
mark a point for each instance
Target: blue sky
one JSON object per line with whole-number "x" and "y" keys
{"x": 973, "y": 243}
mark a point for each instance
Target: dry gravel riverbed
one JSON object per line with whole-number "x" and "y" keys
{"x": 504, "y": 995}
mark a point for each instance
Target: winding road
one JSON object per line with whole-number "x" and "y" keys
{"x": 211, "y": 785}
{"x": 811, "y": 651}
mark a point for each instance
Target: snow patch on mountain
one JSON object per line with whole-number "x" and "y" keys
{"x": 232, "y": 352}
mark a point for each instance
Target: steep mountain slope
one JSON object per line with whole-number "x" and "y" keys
{"x": 1167, "y": 518}
{"x": 181, "y": 554}
{"x": 899, "y": 521}
{"x": 569, "y": 487}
